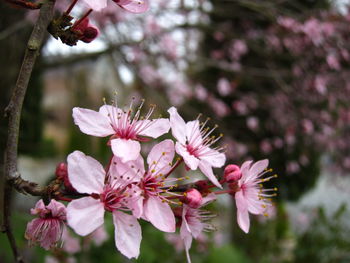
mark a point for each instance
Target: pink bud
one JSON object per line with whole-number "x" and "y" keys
{"x": 232, "y": 173}
{"x": 193, "y": 198}
{"x": 61, "y": 171}
{"x": 62, "y": 174}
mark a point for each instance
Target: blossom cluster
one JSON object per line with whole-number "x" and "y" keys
{"x": 132, "y": 187}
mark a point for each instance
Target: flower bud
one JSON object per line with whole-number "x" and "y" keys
{"x": 193, "y": 198}
{"x": 232, "y": 173}
{"x": 62, "y": 174}
{"x": 61, "y": 171}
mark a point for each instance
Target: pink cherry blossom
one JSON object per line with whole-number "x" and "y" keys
{"x": 109, "y": 191}
{"x": 155, "y": 205}
{"x": 193, "y": 144}
{"x": 250, "y": 197}
{"x": 127, "y": 128}
{"x": 47, "y": 229}
{"x": 194, "y": 221}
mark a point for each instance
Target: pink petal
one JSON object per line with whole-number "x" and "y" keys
{"x": 126, "y": 173}
{"x": 214, "y": 158}
{"x": 245, "y": 169}
{"x": 57, "y": 209}
{"x": 96, "y": 5}
{"x": 154, "y": 128}
{"x": 208, "y": 199}
{"x": 242, "y": 212}
{"x": 190, "y": 160}
{"x": 161, "y": 155}
{"x": 127, "y": 234}
{"x": 85, "y": 173}
{"x": 85, "y": 215}
{"x": 178, "y": 125}
{"x": 208, "y": 172}
{"x": 92, "y": 122}
{"x": 193, "y": 131}
{"x": 194, "y": 224}
{"x": 159, "y": 214}
{"x": 136, "y": 6}
{"x": 186, "y": 237}
{"x": 259, "y": 167}
{"x": 126, "y": 150}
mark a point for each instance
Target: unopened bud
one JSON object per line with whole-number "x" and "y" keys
{"x": 62, "y": 174}
{"x": 193, "y": 198}
{"x": 232, "y": 173}
{"x": 61, "y": 171}
{"x": 89, "y": 34}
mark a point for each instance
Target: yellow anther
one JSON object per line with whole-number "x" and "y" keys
{"x": 163, "y": 153}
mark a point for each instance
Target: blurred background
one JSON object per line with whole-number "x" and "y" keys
{"x": 273, "y": 74}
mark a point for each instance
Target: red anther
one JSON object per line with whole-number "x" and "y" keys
{"x": 193, "y": 198}
{"x": 232, "y": 173}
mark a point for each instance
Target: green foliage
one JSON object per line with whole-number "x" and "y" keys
{"x": 327, "y": 240}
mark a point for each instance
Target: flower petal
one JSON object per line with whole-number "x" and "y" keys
{"x": 159, "y": 214}
{"x": 92, "y": 122}
{"x": 85, "y": 173}
{"x": 127, "y": 234}
{"x": 85, "y": 215}
{"x": 161, "y": 155}
{"x": 193, "y": 133}
{"x": 96, "y": 5}
{"x": 259, "y": 167}
{"x": 208, "y": 172}
{"x": 139, "y": 6}
{"x": 213, "y": 157}
{"x": 242, "y": 212}
{"x": 245, "y": 169}
{"x": 126, "y": 150}
{"x": 178, "y": 125}
{"x": 154, "y": 128}
{"x": 190, "y": 160}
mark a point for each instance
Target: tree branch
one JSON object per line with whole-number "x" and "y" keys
{"x": 13, "y": 111}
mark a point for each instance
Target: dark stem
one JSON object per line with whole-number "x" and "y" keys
{"x": 71, "y": 7}
{"x": 13, "y": 111}
{"x": 83, "y": 17}
{"x": 25, "y": 4}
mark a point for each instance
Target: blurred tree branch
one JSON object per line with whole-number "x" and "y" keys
{"x": 13, "y": 111}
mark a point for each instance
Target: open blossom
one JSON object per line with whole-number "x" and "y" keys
{"x": 133, "y": 6}
{"x": 153, "y": 185}
{"x": 47, "y": 229}
{"x": 127, "y": 129}
{"x": 194, "y": 221}
{"x": 250, "y": 196}
{"x": 193, "y": 144}
{"x": 109, "y": 191}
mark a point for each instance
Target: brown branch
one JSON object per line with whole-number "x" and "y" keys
{"x": 13, "y": 111}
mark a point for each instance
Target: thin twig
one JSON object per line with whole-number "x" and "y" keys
{"x": 13, "y": 111}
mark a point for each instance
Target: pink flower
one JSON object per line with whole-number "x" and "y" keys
{"x": 155, "y": 206}
{"x": 133, "y": 6}
{"x": 127, "y": 129}
{"x": 194, "y": 221}
{"x": 250, "y": 197}
{"x": 193, "y": 144}
{"x": 111, "y": 192}
{"x": 47, "y": 229}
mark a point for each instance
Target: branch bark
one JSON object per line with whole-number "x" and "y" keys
{"x": 13, "y": 111}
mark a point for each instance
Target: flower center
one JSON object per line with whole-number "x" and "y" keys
{"x": 111, "y": 199}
